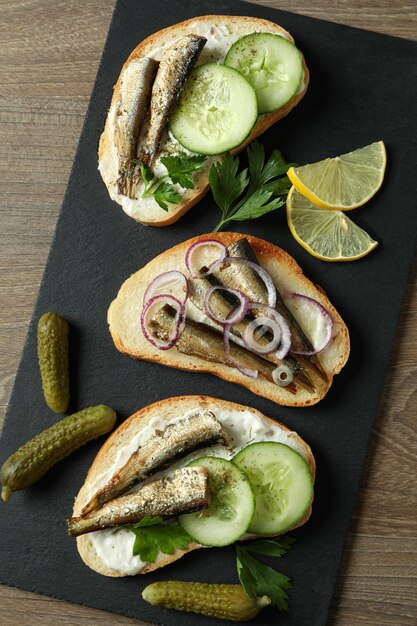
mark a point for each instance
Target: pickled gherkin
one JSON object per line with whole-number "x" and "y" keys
{"x": 53, "y": 360}
{"x": 32, "y": 460}
{"x": 229, "y": 602}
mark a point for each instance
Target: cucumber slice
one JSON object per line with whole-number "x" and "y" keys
{"x": 282, "y": 483}
{"x": 272, "y": 65}
{"x": 231, "y": 509}
{"x": 216, "y": 110}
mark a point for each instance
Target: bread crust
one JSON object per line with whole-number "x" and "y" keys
{"x": 278, "y": 263}
{"x": 264, "y": 121}
{"x": 164, "y": 408}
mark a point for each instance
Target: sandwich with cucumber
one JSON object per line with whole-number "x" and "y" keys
{"x": 237, "y": 307}
{"x": 185, "y": 97}
{"x": 185, "y": 473}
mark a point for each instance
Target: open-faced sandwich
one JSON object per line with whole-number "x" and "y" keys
{"x": 189, "y": 472}
{"x": 185, "y": 96}
{"x": 238, "y": 307}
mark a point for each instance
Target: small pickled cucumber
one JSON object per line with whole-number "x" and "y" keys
{"x": 30, "y": 462}
{"x": 228, "y": 602}
{"x": 53, "y": 360}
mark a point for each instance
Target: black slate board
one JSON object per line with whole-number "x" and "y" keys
{"x": 362, "y": 89}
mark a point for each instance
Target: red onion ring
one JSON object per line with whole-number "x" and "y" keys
{"x": 272, "y": 315}
{"x": 234, "y": 316}
{"x": 199, "y": 244}
{"x": 246, "y": 371}
{"x": 267, "y": 324}
{"x": 282, "y": 376}
{"x": 165, "y": 280}
{"x": 263, "y": 274}
{"x": 179, "y": 321}
{"x": 327, "y": 319}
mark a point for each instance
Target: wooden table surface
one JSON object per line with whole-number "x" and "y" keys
{"x": 49, "y": 53}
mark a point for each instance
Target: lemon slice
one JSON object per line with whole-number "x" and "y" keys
{"x": 327, "y": 235}
{"x": 345, "y": 182}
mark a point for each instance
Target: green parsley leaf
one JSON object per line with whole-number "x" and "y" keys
{"x": 256, "y": 159}
{"x": 151, "y": 539}
{"x": 181, "y": 168}
{"x": 277, "y": 546}
{"x": 257, "y": 205}
{"x": 145, "y": 172}
{"x": 261, "y": 173}
{"x": 279, "y": 187}
{"x": 148, "y": 520}
{"x": 226, "y": 184}
{"x": 274, "y": 167}
{"x": 165, "y": 194}
{"x": 262, "y": 185}
{"x": 259, "y": 579}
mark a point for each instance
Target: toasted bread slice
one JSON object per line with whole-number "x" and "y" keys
{"x": 108, "y": 460}
{"x": 221, "y": 32}
{"x": 124, "y": 315}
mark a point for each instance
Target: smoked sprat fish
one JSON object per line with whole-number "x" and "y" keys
{"x": 245, "y": 278}
{"x": 185, "y": 491}
{"x": 131, "y": 108}
{"x": 174, "y": 68}
{"x": 178, "y": 439}
{"x": 205, "y": 342}
{"x": 222, "y": 304}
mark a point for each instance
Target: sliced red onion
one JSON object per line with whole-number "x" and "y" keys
{"x": 246, "y": 371}
{"x": 199, "y": 244}
{"x": 234, "y": 316}
{"x": 263, "y": 274}
{"x": 322, "y": 316}
{"x": 178, "y": 325}
{"x": 271, "y": 319}
{"x": 264, "y": 324}
{"x": 282, "y": 375}
{"x": 163, "y": 282}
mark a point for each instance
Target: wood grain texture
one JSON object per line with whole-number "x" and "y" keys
{"x": 49, "y": 53}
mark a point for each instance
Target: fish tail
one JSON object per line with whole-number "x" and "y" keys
{"x": 305, "y": 381}
{"x": 92, "y": 505}
{"x": 312, "y": 362}
{"x": 291, "y": 388}
{"x": 146, "y": 156}
{"x": 112, "y": 490}
{"x": 127, "y": 183}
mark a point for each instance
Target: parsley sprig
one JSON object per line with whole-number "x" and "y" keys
{"x": 259, "y": 579}
{"x": 253, "y": 191}
{"x": 152, "y": 536}
{"x": 180, "y": 169}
